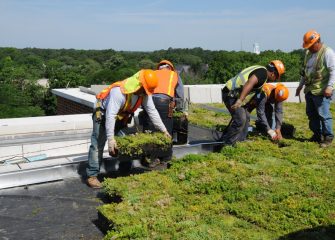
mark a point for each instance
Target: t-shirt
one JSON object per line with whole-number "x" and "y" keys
{"x": 261, "y": 75}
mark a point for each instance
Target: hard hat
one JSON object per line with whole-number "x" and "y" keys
{"x": 310, "y": 38}
{"x": 163, "y": 62}
{"x": 267, "y": 89}
{"x": 149, "y": 81}
{"x": 279, "y": 65}
{"x": 281, "y": 93}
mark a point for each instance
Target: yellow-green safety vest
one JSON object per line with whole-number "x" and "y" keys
{"x": 316, "y": 80}
{"x": 236, "y": 83}
{"x": 128, "y": 87}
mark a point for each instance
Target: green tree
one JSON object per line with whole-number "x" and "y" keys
{"x": 115, "y": 61}
{"x": 147, "y": 64}
{"x": 16, "y": 103}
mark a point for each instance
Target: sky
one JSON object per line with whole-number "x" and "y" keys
{"x": 144, "y": 25}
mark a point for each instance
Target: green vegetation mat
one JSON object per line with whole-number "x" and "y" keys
{"x": 142, "y": 144}
{"x": 256, "y": 190}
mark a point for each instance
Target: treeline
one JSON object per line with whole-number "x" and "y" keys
{"x": 21, "y": 68}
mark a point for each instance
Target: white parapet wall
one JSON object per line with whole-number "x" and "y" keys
{"x": 207, "y": 93}
{"x": 211, "y": 93}
{"x": 204, "y": 93}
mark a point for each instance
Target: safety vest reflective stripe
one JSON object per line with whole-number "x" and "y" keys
{"x": 127, "y": 109}
{"x": 316, "y": 78}
{"x": 105, "y": 92}
{"x": 170, "y": 82}
{"x": 167, "y": 82}
{"x": 127, "y": 87}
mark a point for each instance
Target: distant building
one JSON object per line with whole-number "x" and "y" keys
{"x": 256, "y": 48}
{"x": 44, "y": 82}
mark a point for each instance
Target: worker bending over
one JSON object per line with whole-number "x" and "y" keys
{"x": 239, "y": 90}
{"x": 114, "y": 108}
{"x": 268, "y": 102}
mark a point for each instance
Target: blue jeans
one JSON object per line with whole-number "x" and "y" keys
{"x": 319, "y": 115}
{"x": 98, "y": 141}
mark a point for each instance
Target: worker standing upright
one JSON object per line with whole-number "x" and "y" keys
{"x": 268, "y": 102}
{"x": 169, "y": 88}
{"x": 318, "y": 76}
{"x": 114, "y": 108}
{"x": 239, "y": 90}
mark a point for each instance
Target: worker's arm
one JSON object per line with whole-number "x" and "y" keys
{"x": 330, "y": 63}
{"x": 253, "y": 80}
{"x": 261, "y": 115}
{"x": 301, "y": 85}
{"x": 150, "y": 108}
{"x": 279, "y": 114}
{"x": 113, "y": 104}
{"x": 180, "y": 88}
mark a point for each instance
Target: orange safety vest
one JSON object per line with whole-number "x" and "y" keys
{"x": 167, "y": 82}
{"x": 125, "y": 112}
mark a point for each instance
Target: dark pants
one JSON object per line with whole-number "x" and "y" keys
{"x": 237, "y": 130}
{"x": 163, "y": 107}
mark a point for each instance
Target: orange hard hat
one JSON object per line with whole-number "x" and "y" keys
{"x": 267, "y": 89}
{"x": 149, "y": 81}
{"x": 279, "y": 65}
{"x": 165, "y": 62}
{"x": 310, "y": 38}
{"x": 281, "y": 92}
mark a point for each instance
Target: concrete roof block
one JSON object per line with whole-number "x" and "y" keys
{"x": 9, "y": 168}
{"x": 12, "y": 126}
{"x": 10, "y": 151}
{"x": 44, "y": 163}
{"x": 54, "y": 149}
{"x": 74, "y": 94}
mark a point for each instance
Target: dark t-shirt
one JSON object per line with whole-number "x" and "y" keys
{"x": 261, "y": 75}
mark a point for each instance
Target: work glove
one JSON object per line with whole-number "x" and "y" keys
{"x": 112, "y": 147}
{"x": 237, "y": 104}
{"x": 272, "y": 134}
{"x": 279, "y": 136}
{"x": 328, "y": 91}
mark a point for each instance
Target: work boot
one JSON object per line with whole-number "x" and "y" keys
{"x": 326, "y": 142}
{"x": 154, "y": 163}
{"x": 93, "y": 182}
{"x": 151, "y": 164}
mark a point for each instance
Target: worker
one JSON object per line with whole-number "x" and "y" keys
{"x": 114, "y": 107}
{"x": 169, "y": 88}
{"x": 269, "y": 101}
{"x": 239, "y": 90}
{"x": 318, "y": 77}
